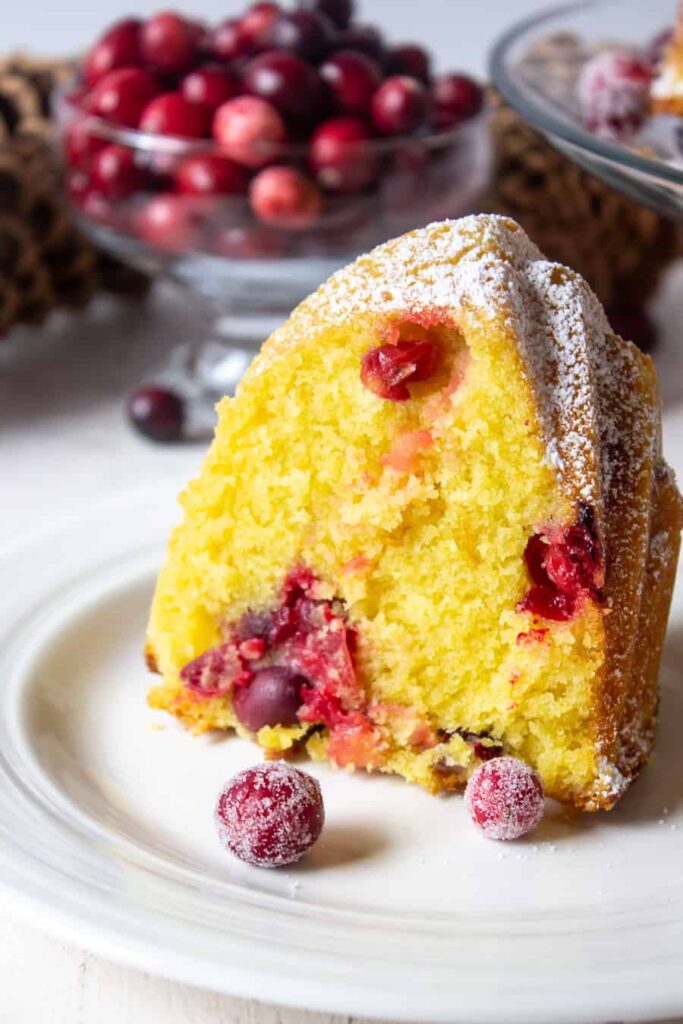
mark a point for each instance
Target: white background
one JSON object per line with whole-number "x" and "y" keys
{"x": 63, "y": 442}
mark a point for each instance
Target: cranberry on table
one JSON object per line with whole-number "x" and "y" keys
{"x": 340, "y": 12}
{"x": 157, "y": 413}
{"x": 364, "y": 38}
{"x": 172, "y": 114}
{"x": 115, "y": 173}
{"x": 229, "y": 41}
{"x": 119, "y": 47}
{"x": 80, "y": 143}
{"x": 284, "y": 197}
{"x": 455, "y": 98}
{"x": 122, "y": 95}
{"x": 341, "y": 154}
{"x": 210, "y": 86}
{"x": 614, "y": 93}
{"x": 399, "y": 107}
{"x": 170, "y": 43}
{"x": 172, "y": 223}
{"x": 270, "y": 815}
{"x": 248, "y": 242}
{"x": 504, "y": 798}
{"x": 206, "y": 174}
{"x": 290, "y": 84}
{"x": 352, "y": 80}
{"x": 273, "y": 697}
{"x": 307, "y": 34}
{"x": 248, "y": 129}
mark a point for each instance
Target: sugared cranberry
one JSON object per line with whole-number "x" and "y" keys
{"x": 634, "y": 323}
{"x": 256, "y": 23}
{"x": 122, "y": 95}
{"x": 340, "y": 12}
{"x": 307, "y": 34}
{"x": 172, "y": 223}
{"x": 209, "y": 175}
{"x": 248, "y": 130}
{"x": 248, "y": 242}
{"x": 504, "y": 798}
{"x": 657, "y": 47}
{"x": 273, "y": 697}
{"x": 291, "y": 85}
{"x": 614, "y": 93}
{"x": 409, "y": 60}
{"x": 455, "y": 98}
{"x": 81, "y": 143}
{"x": 387, "y": 370}
{"x": 365, "y": 38}
{"x": 352, "y": 80}
{"x": 157, "y": 413}
{"x": 172, "y": 114}
{"x": 284, "y": 197}
{"x": 270, "y": 815}
{"x": 210, "y": 86}
{"x": 399, "y": 107}
{"x": 340, "y": 155}
{"x": 119, "y": 47}
{"x": 115, "y": 173}
{"x": 170, "y": 43}
{"x": 229, "y": 41}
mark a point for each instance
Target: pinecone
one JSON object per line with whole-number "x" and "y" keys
{"x": 619, "y": 246}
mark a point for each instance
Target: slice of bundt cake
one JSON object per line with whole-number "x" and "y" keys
{"x": 434, "y": 526}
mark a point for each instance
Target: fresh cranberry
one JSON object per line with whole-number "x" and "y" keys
{"x": 270, "y": 815}
{"x": 119, "y": 47}
{"x": 209, "y": 86}
{"x": 78, "y": 185}
{"x": 387, "y": 370}
{"x": 122, "y": 95}
{"x": 455, "y": 98}
{"x": 80, "y": 143}
{"x": 365, "y": 38}
{"x": 209, "y": 175}
{"x": 229, "y": 41}
{"x": 284, "y": 197}
{"x": 172, "y": 114}
{"x": 634, "y": 323}
{"x": 504, "y": 798}
{"x": 248, "y": 130}
{"x": 256, "y": 23}
{"x": 340, "y": 12}
{"x": 172, "y": 223}
{"x": 352, "y": 80}
{"x": 170, "y": 43}
{"x": 273, "y": 697}
{"x": 304, "y": 33}
{"x": 291, "y": 85}
{"x": 399, "y": 107}
{"x": 248, "y": 242}
{"x": 157, "y": 413}
{"x": 341, "y": 156}
{"x": 614, "y": 93}
{"x": 115, "y": 173}
{"x": 409, "y": 60}
{"x": 657, "y": 47}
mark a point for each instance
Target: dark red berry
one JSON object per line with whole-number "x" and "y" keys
{"x": 248, "y": 242}
{"x": 387, "y": 370}
{"x": 284, "y": 197}
{"x": 270, "y": 815}
{"x": 341, "y": 154}
{"x": 455, "y": 98}
{"x": 256, "y": 23}
{"x": 634, "y": 323}
{"x": 340, "y": 12}
{"x": 229, "y": 41}
{"x": 285, "y": 81}
{"x": 365, "y": 38}
{"x": 172, "y": 223}
{"x": 119, "y": 47}
{"x": 504, "y": 798}
{"x": 157, "y": 413}
{"x": 170, "y": 43}
{"x": 209, "y": 175}
{"x": 564, "y": 566}
{"x": 210, "y": 86}
{"x": 248, "y": 130}
{"x": 81, "y": 143}
{"x": 352, "y": 80}
{"x": 122, "y": 95}
{"x": 304, "y": 33}
{"x": 172, "y": 114}
{"x": 115, "y": 173}
{"x": 409, "y": 60}
{"x": 273, "y": 697}
{"x": 399, "y": 107}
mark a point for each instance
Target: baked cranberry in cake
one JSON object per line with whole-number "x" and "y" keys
{"x": 388, "y": 369}
{"x": 565, "y": 566}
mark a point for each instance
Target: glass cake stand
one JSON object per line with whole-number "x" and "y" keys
{"x": 535, "y": 66}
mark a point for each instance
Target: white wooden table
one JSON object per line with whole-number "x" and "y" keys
{"x": 63, "y": 439}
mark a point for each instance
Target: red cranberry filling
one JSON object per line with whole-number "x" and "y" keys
{"x": 564, "y": 567}
{"x": 388, "y": 369}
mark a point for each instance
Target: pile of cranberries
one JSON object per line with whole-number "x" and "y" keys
{"x": 270, "y": 124}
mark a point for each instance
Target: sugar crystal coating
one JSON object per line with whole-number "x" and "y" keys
{"x": 504, "y": 798}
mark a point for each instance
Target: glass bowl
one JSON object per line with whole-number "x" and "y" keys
{"x": 251, "y": 273}
{"x": 535, "y": 66}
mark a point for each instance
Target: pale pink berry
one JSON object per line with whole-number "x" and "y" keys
{"x": 247, "y": 129}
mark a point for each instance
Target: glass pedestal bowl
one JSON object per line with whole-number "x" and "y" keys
{"x": 535, "y": 66}
{"x": 252, "y": 273}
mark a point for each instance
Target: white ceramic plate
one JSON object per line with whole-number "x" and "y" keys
{"x": 402, "y": 911}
